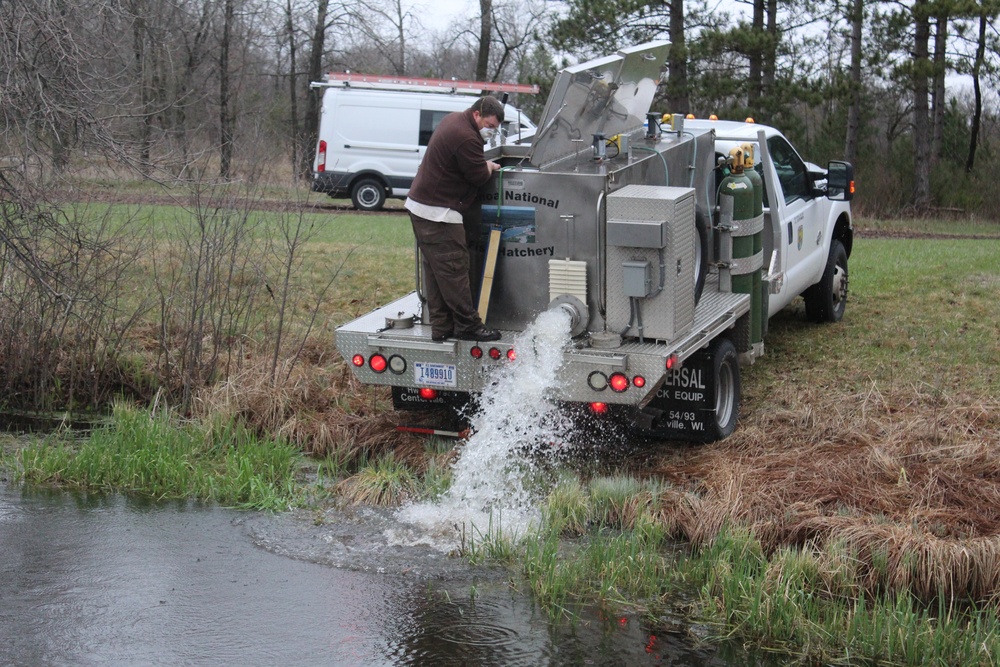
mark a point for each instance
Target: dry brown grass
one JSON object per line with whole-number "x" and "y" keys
{"x": 315, "y": 403}
{"x": 909, "y": 481}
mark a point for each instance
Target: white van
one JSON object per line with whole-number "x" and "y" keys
{"x": 373, "y": 131}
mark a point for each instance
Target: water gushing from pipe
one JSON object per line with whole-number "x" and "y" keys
{"x": 497, "y": 481}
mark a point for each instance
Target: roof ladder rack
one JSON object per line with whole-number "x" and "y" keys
{"x": 387, "y": 82}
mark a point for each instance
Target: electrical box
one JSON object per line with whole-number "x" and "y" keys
{"x": 651, "y": 268}
{"x": 637, "y": 279}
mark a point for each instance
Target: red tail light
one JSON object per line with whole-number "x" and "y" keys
{"x": 377, "y": 363}
{"x": 358, "y": 360}
{"x": 428, "y": 394}
{"x": 618, "y": 382}
{"x": 511, "y": 354}
{"x": 599, "y": 408}
{"x": 321, "y": 157}
{"x": 639, "y": 381}
{"x": 476, "y": 352}
{"x": 494, "y": 353}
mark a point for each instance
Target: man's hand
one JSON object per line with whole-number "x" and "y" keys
{"x": 493, "y": 166}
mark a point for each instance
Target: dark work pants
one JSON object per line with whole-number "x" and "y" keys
{"x": 446, "y": 276}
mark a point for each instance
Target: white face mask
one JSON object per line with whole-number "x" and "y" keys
{"x": 487, "y": 133}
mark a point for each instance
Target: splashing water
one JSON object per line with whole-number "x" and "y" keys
{"x": 495, "y": 483}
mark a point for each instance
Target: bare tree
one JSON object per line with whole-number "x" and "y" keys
{"x": 315, "y": 73}
{"x": 940, "y": 64}
{"x": 977, "y": 68}
{"x": 856, "y": 18}
{"x": 225, "y": 93}
{"x": 678, "y": 95}
{"x": 385, "y": 26}
{"x": 485, "y": 33}
{"x": 515, "y": 29}
{"x": 919, "y": 75}
{"x": 291, "y": 34}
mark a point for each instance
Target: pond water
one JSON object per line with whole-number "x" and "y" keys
{"x": 105, "y": 580}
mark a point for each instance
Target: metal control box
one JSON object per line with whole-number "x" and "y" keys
{"x": 653, "y": 226}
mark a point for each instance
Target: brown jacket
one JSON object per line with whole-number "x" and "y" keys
{"x": 453, "y": 167}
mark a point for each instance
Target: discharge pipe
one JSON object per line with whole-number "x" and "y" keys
{"x": 577, "y": 311}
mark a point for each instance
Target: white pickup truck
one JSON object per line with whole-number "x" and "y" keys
{"x": 642, "y": 228}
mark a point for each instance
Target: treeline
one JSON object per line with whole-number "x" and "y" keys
{"x": 192, "y": 88}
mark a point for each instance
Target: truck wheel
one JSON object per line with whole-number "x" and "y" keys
{"x": 368, "y": 194}
{"x": 726, "y": 369}
{"x": 827, "y": 299}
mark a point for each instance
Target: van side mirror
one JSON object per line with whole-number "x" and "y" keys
{"x": 840, "y": 181}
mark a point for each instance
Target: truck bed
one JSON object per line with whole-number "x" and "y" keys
{"x": 366, "y": 335}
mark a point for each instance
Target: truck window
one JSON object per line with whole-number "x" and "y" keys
{"x": 791, "y": 170}
{"x": 429, "y": 120}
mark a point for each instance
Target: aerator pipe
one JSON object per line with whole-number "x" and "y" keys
{"x": 694, "y": 158}
{"x": 666, "y": 175}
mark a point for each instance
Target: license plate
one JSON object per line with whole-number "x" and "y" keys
{"x": 435, "y": 375}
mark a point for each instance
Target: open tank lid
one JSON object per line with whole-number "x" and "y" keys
{"x": 609, "y": 95}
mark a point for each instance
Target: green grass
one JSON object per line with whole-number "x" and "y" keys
{"x": 154, "y": 456}
{"x": 941, "y": 226}
{"x": 374, "y": 254}
{"x": 919, "y": 312}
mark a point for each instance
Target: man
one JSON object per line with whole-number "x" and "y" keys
{"x": 443, "y": 194}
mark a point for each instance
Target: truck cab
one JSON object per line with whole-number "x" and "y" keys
{"x": 803, "y": 211}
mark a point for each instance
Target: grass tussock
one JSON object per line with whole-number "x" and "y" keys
{"x": 908, "y": 481}
{"x": 386, "y": 483}
{"x": 320, "y": 408}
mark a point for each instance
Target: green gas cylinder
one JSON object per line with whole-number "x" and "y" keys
{"x": 759, "y": 300}
{"x": 739, "y": 186}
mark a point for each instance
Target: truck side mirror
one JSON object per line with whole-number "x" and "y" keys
{"x": 840, "y": 181}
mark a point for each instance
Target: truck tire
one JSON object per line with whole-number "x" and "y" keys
{"x": 726, "y": 376}
{"x": 368, "y": 194}
{"x": 827, "y": 299}
{"x": 699, "y": 402}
